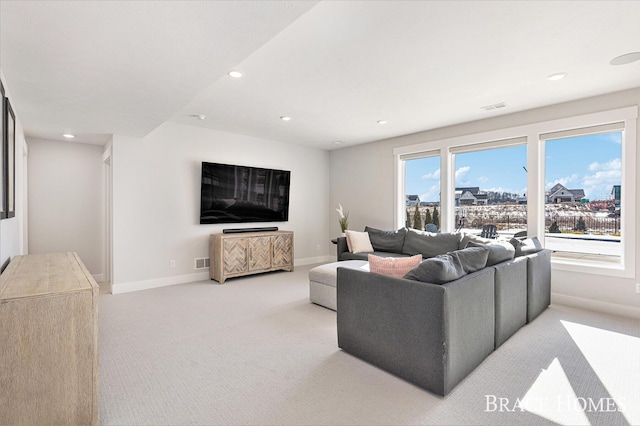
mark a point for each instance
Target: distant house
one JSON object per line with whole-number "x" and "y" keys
{"x": 615, "y": 192}
{"x": 560, "y": 194}
{"x": 412, "y": 200}
{"x": 470, "y": 196}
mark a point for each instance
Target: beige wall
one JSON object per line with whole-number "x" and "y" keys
{"x": 362, "y": 179}
{"x": 66, "y": 201}
{"x": 156, "y": 200}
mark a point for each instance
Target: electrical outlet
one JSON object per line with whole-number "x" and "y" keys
{"x": 637, "y": 287}
{"x": 172, "y": 264}
{"x": 317, "y": 247}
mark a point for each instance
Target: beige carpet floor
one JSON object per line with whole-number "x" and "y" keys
{"x": 255, "y": 351}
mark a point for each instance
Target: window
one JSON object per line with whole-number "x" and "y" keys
{"x": 570, "y": 182}
{"x": 422, "y": 192}
{"x": 583, "y": 194}
{"x": 491, "y": 190}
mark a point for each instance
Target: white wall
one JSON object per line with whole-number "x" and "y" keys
{"x": 12, "y": 229}
{"x": 66, "y": 201}
{"x": 362, "y": 179}
{"x": 156, "y": 201}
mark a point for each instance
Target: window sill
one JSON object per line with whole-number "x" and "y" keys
{"x": 590, "y": 264}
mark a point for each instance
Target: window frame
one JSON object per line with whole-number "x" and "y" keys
{"x": 533, "y": 134}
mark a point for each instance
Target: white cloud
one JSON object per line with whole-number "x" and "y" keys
{"x": 432, "y": 194}
{"x": 432, "y": 176}
{"x": 615, "y": 164}
{"x": 598, "y": 185}
{"x": 483, "y": 179}
{"x": 461, "y": 173}
{"x": 566, "y": 181}
{"x": 615, "y": 137}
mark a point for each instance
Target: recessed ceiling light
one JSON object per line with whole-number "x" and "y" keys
{"x": 235, "y": 74}
{"x": 198, "y": 116}
{"x": 382, "y": 121}
{"x": 69, "y": 136}
{"x": 557, "y": 76}
{"x": 337, "y": 142}
{"x": 494, "y": 106}
{"x": 285, "y": 118}
{"x": 626, "y": 58}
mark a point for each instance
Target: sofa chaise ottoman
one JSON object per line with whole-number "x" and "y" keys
{"x": 322, "y": 281}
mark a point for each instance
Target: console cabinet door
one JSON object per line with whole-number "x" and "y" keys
{"x": 235, "y": 259}
{"x": 259, "y": 253}
{"x": 282, "y": 250}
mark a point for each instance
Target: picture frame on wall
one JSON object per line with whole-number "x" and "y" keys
{"x": 10, "y": 163}
{"x": 3, "y": 207}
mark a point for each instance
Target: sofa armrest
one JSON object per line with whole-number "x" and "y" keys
{"x": 342, "y": 247}
{"x": 431, "y": 335}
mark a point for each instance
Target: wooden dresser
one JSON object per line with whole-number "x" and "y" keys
{"x": 234, "y": 255}
{"x": 48, "y": 341}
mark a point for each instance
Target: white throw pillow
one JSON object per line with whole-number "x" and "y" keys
{"x": 358, "y": 242}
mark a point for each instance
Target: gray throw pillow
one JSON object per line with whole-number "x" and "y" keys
{"x": 499, "y": 251}
{"x": 526, "y": 246}
{"x": 428, "y": 244}
{"x": 390, "y": 241}
{"x": 451, "y": 266}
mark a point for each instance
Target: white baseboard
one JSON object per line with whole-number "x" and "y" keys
{"x": 596, "y": 305}
{"x": 312, "y": 260}
{"x": 158, "y": 282}
{"x": 200, "y": 276}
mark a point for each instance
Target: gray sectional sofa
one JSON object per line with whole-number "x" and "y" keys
{"x": 434, "y": 335}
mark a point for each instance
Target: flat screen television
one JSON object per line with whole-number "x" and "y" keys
{"x": 237, "y": 194}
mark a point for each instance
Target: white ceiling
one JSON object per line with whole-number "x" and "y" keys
{"x": 98, "y": 68}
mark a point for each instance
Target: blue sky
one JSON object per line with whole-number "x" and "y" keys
{"x": 591, "y": 163}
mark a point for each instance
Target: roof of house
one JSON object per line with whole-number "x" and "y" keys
{"x": 472, "y": 189}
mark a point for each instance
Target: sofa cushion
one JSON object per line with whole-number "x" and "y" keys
{"x": 358, "y": 242}
{"x": 451, "y": 266}
{"x": 393, "y": 266}
{"x": 475, "y": 238}
{"x": 526, "y": 246}
{"x": 428, "y": 244}
{"x": 391, "y": 241}
{"x": 499, "y": 251}
{"x": 347, "y": 255}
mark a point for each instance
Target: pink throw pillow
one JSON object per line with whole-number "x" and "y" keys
{"x": 393, "y": 266}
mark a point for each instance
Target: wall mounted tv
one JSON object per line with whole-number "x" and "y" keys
{"x": 237, "y": 194}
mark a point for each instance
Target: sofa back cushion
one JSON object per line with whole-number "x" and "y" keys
{"x": 428, "y": 244}
{"x": 391, "y": 241}
{"x": 393, "y": 266}
{"x": 526, "y": 246}
{"x": 464, "y": 242}
{"x": 499, "y": 251}
{"x": 450, "y": 266}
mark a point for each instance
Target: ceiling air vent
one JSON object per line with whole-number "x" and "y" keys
{"x": 494, "y": 106}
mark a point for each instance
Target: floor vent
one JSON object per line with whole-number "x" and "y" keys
{"x": 202, "y": 263}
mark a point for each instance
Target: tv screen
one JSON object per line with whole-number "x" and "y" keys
{"x": 236, "y": 194}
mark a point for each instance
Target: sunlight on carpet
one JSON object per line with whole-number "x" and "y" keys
{"x": 615, "y": 358}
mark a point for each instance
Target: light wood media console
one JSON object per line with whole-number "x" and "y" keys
{"x": 238, "y": 254}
